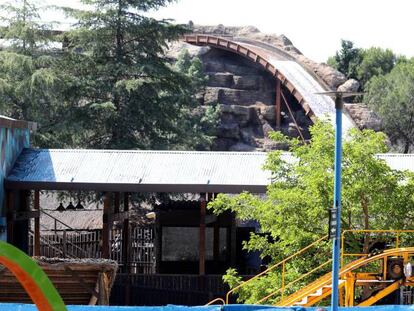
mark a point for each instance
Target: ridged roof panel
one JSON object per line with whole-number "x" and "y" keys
{"x": 240, "y": 170}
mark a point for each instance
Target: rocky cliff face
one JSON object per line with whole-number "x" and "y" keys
{"x": 246, "y": 92}
{"x": 246, "y": 95}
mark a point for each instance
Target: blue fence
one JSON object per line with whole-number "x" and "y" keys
{"x": 27, "y": 307}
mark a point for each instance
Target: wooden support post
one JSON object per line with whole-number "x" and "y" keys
{"x": 202, "y": 236}
{"x": 64, "y": 246}
{"x": 278, "y": 103}
{"x": 216, "y": 241}
{"x": 106, "y": 225}
{"x": 233, "y": 241}
{"x": 125, "y": 236}
{"x": 36, "y": 242}
{"x": 117, "y": 202}
{"x": 10, "y": 216}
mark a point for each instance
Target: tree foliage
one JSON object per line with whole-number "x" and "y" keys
{"x": 347, "y": 59}
{"x": 375, "y": 62}
{"x": 362, "y": 64}
{"x": 392, "y": 97}
{"x": 111, "y": 86}
{"x": 129, "y": 94}
{"x": 31, "y": 86}
{"x": 294, "y": 212}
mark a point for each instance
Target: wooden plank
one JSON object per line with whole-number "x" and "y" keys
{"x": 36, "y": 241}
{"x": 83, "y": 284}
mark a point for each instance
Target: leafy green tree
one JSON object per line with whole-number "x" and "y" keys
{"x": 347, "y": 59}
{"x": 363, "y": 64}
{"x": 294, "y": 212}
{"x": 129, "y": 95}
{"x": 30, "y": 86}
{"x": 391, "y": 96}
{"x": 374, "y": 62}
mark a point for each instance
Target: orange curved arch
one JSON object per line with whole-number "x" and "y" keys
{"x": 28, "y": 284}
{"x": 253, "y": 55}
{"x": 32, "y": 278}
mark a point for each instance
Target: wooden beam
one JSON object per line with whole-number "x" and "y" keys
{"x": 216, "y": 240}
{"x": 278, "y": 103}
{"x": 125, "y": 236}
{"x": 202, "y": 237}
{"x": 25, "y": 215}
{"x": 117, "y": 202}
{"x": 10, "y": 216}
{"x": 36, "y": 242}
{"x": 106, "y": 225}
{"x": 233, "y": 241}
{"x": 293, "y": 118}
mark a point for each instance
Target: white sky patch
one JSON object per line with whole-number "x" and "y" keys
{"x": 315, "y": 27}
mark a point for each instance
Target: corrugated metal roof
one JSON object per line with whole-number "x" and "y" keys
{"x": 154, "y": 171}
{"x": 399, "y": 161}
{"x": 151, "y": 171}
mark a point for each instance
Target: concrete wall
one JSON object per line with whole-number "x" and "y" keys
{"x": 14, "y": 136}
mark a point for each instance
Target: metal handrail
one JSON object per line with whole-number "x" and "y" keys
{"x": 59, "y": 221}
{"x": 355, "y": 265}
{"x": 283, "y": 263}
{"x": 396, "y": 232}
{"x": 221, "y": 300}
{"x": 294, "y": 282}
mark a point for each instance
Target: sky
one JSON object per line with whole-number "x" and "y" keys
{"x": 315, "y": 27}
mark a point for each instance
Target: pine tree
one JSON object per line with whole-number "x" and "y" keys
{"x": 131, "y": 96}
{"x": 30, "y": 86}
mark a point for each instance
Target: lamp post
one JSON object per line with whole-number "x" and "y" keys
{"x": 335, "y": 215}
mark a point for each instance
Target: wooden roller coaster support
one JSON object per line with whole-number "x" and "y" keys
{"x": 278, "y": 103}
{"x": 293, "y": 117}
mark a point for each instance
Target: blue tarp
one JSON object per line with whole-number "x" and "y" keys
{"x": 30, "y": 307}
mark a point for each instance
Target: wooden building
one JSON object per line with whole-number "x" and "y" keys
{"x": 185, "y": 239}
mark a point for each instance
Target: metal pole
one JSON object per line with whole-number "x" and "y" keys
{"x": 337, "y": 203}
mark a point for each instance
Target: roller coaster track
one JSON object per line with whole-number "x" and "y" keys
{"x": 299, "y": 80}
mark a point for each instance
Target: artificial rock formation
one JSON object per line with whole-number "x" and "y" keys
{"x": 245, "y": 92}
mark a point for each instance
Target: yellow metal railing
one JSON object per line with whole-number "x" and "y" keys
{"x": 281, "y": 264}
{"x": 397, "y": 234}
{"x": 281, "y": 290}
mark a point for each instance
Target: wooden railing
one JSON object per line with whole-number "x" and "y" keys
{"x": 87, "y": 244}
